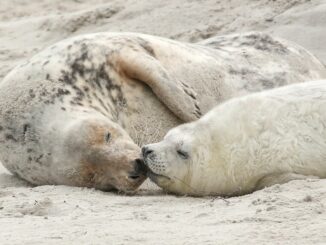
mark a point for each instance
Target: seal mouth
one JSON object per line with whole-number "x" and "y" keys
{"x": 134, "y": 176}
{"x": 151, "y": 175}
{"x": 154, "y": 176}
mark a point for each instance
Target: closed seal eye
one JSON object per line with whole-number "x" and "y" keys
{"x": 183, "y": 154}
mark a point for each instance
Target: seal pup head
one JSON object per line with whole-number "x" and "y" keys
{"x": 106, "y": 157}
{"x": 178, "y": 163}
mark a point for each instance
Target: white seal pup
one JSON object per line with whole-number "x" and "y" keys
{"x": 245, "y": 144}
{"x": 75, "y": 113}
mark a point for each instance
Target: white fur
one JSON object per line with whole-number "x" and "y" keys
{"x": 248, "y": 143}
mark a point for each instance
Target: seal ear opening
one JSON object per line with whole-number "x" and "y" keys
{"x": 108, "y": 137}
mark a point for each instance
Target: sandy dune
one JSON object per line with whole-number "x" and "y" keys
{"x": 293, "y": 213}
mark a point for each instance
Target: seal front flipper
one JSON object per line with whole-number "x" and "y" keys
{"x": 177, "y": 96}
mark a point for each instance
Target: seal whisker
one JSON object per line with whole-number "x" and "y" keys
{"x": 175, "y": 178}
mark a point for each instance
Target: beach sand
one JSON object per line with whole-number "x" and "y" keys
{"x": 293, "y": 213}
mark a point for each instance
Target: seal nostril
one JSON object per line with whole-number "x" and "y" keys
{"x": 140, "y": 166}
{"x": 140, "y": 170}
{"x": 139, "y": 162}
{"x": 146, "y": 151}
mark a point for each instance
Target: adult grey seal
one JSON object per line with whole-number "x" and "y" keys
{"x": 235, "y": 149}
{"x": 75, "y": 113}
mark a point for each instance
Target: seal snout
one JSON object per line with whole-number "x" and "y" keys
{"x": 146, "y": 151}
{"x": 139, "y": 171}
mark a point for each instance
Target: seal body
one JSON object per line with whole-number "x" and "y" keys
{"x": 246, "y": 144}
{"x": 75, "y": 113}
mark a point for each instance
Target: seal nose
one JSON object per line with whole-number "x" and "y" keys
{"x": 146, "y": 151}
{"x": 140, "y": 166}
{"x": 140, "y": 170}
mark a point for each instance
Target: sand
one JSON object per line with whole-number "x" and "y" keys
{"x": 293, "y": 213}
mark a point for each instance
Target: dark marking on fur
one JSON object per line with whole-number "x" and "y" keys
{"x": 103, "y": 105}
{"x": 26, "y": 127}
{"x": 264, "y": 42}
{"x": 43, "y": 93}
{"x": 146, "y": 46}
{"x": 31, "y": 93}
{"x": 61, "y": 92}
{"x": 10, "y": 137}
{"x": 82, "y": 74}
{"x": 86, "y": 89}
{"x": 38, "y": 159}
{"x": 240, "y": 71}
{"x": 79, "y": 92}
{"x": 266, "y": 83}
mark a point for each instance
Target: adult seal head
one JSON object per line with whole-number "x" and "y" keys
{"x": 66, "y": 114}
{"x": 245, "y": 144}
